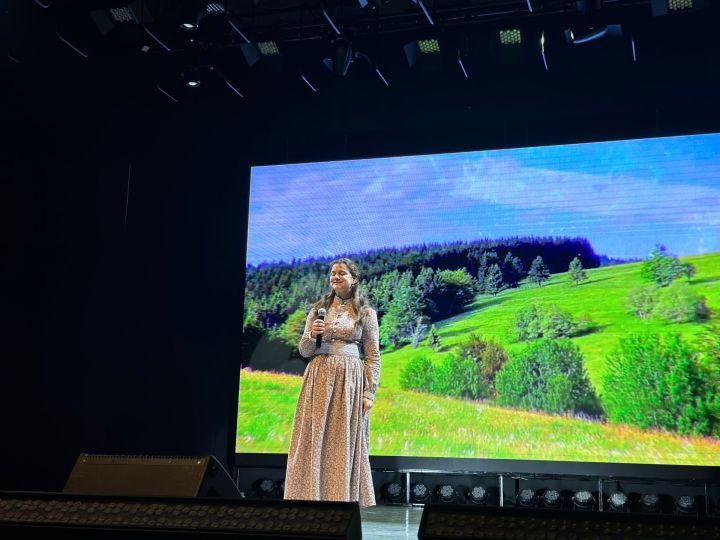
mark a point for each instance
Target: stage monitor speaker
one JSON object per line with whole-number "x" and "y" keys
{"x": 150, "y": 476}
{"x": 459, "y": 522}
{"x": 49, "y": 516}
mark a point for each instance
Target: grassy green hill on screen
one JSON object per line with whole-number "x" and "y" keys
{"x": 417, "y": 424}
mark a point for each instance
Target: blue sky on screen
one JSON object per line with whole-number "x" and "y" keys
{"x": 623, "y": 196}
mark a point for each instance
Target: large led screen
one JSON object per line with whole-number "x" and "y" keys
{"x": 549, "y": 303}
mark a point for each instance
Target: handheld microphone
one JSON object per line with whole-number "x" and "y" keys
{"x": 321, "y": 315}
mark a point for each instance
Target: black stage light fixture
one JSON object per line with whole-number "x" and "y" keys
{"x": 510, "y": 36}
{"x": 527, "y": 498}
{"x": 419, "y": 493}
{"x": 340, "y": 58}
{"x": 650, "y": 503}
{"x": 671, "y": 7}
{"x": 685, "y": 504}
{"x": 477, "y": 495}
{"x": 583, "y": 500}
{"x": 510, "y": 45}
{"x": 266, "y": 488}
{"x": 108, "y": 19}
{"x": 250, "y": 53}
{"x": 268, "y": 48}
{"x": 446, "y": 493}
{"x": 551, "y": 498}
{"x": 190, "y": 13}
{"x": 393, "y": 492}
{"x": 618, "y": 502}
{"x": 423, "y": 52}
{"x": 214, "y": 8}
{"x": 267, "y": 51}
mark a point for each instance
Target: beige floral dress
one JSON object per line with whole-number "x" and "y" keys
{"x": 328, "y": 459}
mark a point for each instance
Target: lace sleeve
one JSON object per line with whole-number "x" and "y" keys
{"x": 307, "y": 344}
{"x": 371, "y": 348}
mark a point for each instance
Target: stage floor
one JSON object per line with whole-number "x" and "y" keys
{"x": 391, "y": 522}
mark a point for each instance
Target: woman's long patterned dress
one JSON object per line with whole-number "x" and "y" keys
{"x": 328, "y": 458}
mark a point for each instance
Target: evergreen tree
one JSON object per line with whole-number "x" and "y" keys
{"x": 493, "y": 280}
{"x": 426, "y": 283}
{"x": 512, "y": 270}
{"x": 381, "y": 291}
{"x": 539, "y": 272}
{"x": 434, "y": 339}
{"x": 487, "y": 259}
{"x": 576, "y": 272}
{"x": 397, "y": 325}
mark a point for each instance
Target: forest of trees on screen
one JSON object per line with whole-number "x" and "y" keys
{"x": 551, "y": 303}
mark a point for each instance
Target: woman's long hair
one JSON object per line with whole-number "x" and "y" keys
{"x": 360, "y": 302}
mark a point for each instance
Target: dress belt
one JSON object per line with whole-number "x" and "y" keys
{"x": 339, "y": 347}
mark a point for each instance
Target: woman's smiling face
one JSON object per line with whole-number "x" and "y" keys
{"x": 341, "y": 280}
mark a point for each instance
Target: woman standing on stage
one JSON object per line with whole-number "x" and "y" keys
{"x": 328, "y": 458}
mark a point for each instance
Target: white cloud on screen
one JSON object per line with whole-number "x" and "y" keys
{"x": 331, "y": 208}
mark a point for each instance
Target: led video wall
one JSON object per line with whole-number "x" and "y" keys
{"x": 548, "y": 303}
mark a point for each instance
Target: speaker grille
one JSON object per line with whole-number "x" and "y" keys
{"x": 137, "y": 476}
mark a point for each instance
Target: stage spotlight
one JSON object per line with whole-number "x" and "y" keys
{"x": 583, "y": 500}
{"x": 424, "y": 52}
{"x": 551, "y": 498}
{"x": 428, "y": 46}
{"x": 512, "y": 36}
{"x": 526, "y": 498}
{"x": 650, "y": 503}
{"x": 268, "y": 48}
{"x": 122, "y": 14}
{"x": 108, "y": 19}
{"x": 215, "y": 8}
{"x": 340, "y": 58}
{"x": 265, "y": 487}
{"x": 618, "y": 502}
{"x": 663, "y": 7}
{"x": 193, "y": 83}
{"x": 477, "y": 495}
{"x": 419, "y": 493}
{"x": 685, "y": 505}
{"x": 191, "y": 12}
{"x": 394, "y": 492}
{"x": 592, "y": 34}
{"x": 446, "y": 493}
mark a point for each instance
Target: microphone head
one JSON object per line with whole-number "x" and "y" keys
{"x": 321, "y": 312}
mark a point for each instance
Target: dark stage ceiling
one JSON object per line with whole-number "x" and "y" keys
{"x": 272, "y": 49}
